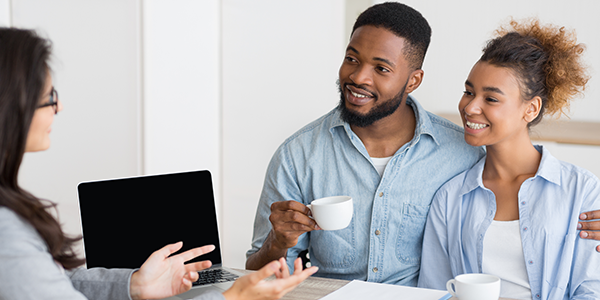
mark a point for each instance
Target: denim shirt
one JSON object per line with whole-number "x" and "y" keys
{"x": 383, "y": 241}
{"x": 559, "y": 264}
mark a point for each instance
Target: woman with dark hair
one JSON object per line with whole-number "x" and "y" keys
{"x": 515, "y": 213}
{"x": 34, "y": 252}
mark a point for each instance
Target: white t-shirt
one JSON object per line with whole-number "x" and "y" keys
{"x": 503, "y": 257}
{"x": 380, "y": 163}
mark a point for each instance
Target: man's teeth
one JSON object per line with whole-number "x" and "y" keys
{"x": 358, "y": 95}
{"x": 476, "y": 125}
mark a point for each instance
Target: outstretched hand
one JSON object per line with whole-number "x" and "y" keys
{"x": 590, "y": 229}
{"x": 253, "y": 286}
{"x": 162, "y": 276}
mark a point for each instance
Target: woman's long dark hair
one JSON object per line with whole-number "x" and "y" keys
{"x": 23, "y": 71}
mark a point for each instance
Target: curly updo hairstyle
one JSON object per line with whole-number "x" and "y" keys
{"x": 545, "y": 59}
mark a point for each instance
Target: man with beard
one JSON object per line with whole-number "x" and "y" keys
{"x": 379, "y": 146}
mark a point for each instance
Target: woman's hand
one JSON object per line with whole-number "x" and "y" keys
{"x": 162, "y": 276}
{"x": 253, "y": 286}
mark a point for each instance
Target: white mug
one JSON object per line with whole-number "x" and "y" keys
{"x": 474, "y": 287}
{"x": 332, "y": 213}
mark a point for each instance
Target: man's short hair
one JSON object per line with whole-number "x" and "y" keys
{"x": 403, "y": 21}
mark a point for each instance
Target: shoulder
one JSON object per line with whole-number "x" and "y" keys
{"x": 444, "y": 125}
{"x": 313, "y": 129}
{"x": 450, "y": 190}
{"x": 17, "y": 234}
{"x": 581, "y": 185}
{"x": 448, "y": 133}
{"x": 579, "y": 178}
{"x": 446, "y": 140}
{"x": 309, "y": 138}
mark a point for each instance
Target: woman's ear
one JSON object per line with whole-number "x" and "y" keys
{"x": 533, "y": 109}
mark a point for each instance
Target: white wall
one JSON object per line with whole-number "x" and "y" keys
{"x": 95, "y": 72}
{"x": 182, "y": 84}
{"x": 5, "y": 15}
{"x": 181, "y": 42}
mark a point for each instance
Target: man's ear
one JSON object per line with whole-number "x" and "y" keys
{"x": 533, "y": 109}
{"x": 414, "y": 80}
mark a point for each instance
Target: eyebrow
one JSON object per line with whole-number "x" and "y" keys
{"x": 487, "y": 88}
{"x": 350, "y": 48}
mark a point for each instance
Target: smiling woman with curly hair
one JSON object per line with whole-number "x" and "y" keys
{"x": 515, "y": 213}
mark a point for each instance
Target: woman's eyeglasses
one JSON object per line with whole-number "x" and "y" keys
{"x": 53, "y": 101}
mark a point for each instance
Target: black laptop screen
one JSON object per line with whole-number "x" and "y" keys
{"x": 125, "y": 220}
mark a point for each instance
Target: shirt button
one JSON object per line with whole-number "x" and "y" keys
{"x": 523, "y": 203}
{"x": 525, "y": 229}
{"x": 375, "y": 270}
{"x": 537, "y": 296}
{"x": 531, "y": 262}
{"x": 381, "y": 194}
{"x": 377, "y": 232}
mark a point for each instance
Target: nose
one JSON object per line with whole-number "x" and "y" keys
{"x": 472, "y": 107}
{"x": 60, "y": 106}
{"x": 361, "y": 75}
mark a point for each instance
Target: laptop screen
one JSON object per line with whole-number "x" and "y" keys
{"x": 126, "y": 220}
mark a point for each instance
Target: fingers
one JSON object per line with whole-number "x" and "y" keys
{"x": 289, "y": 221}
{"x": 587, "y": 228}
{"x": 288, "y": 284}
{"x": 283, "y": 272}
{"x": 292, "y": 211}
{"x": 298, "y": 265}
{"x": 264, "y": 272}
{"x": 590, "y": 235}
{"x": 167, "y": 250}
{"x": 187, "y": 283}
{"x": 193, "y": 253}
{"x": 590, "y": 215}
{"x": 198, "y": 266}
{"x": 191, "y": 276}
{"x": 292, "y": 220}
{"x": 290, "y": 205}
{"x": 307, "y": 273}
{"x": 593, "y": 225}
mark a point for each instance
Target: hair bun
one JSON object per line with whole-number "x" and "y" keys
{"x": 565, "y": 73}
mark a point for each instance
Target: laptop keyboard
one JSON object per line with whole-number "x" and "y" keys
{"x": 214, "y": 276}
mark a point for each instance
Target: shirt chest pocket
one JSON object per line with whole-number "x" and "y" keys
{"x": 410, "y": 234}
{"x": 558, "y": 255}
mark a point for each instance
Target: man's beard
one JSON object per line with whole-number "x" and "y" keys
{"x": 376, "y": 113}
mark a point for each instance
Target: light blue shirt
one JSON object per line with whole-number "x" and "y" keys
{"x": 383, "y": 241}
{"x": 559, "y": 264}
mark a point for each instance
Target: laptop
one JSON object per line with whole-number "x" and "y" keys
{"x": 125, "y": 220}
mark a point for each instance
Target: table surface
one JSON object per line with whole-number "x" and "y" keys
{"x": 316, "y": 288}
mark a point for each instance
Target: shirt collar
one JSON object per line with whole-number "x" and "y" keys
{"x": 549, "y": 169}
{"x": 549, "y": 166}
{"x": 424, "y": 124}
{"x": 473, "y": 178}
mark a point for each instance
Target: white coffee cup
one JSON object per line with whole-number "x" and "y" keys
{"x": 474, "y": 287}
{"x": 332, "y": 213}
